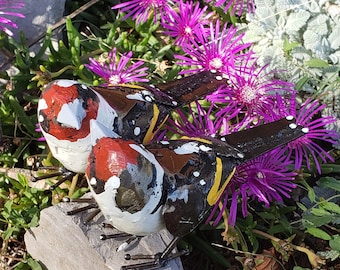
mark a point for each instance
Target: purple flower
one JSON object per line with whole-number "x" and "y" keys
{"x": 252, "y": 92}
{"x": 38, "y": 129}
{"x": 117, "y": 72}
{"x": 186, "y": 23}
{"x": 5, "y": 22}
{"x": 237, "y": 5}
{"x": 196, "y": 121}
{"x": 307, "y": 147}
{"x": 142, "y": 9}
{"x": 265, "y": 179}
{"x": 217, "y": 48}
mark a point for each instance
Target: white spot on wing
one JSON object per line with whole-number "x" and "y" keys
{"x": 290, "y": 117}
{"x": 293, "y": 126}
{"x": 142, "y": 96}
{"x": 240, "y": 155}
{"x": 136, "y": 131}
{"x": 136, "y": 96}
{"x": 204, "y": 148}
{"x": 196, "y": 174}
{"x": 187, "y": 148}
{"x": 305, "y": 130}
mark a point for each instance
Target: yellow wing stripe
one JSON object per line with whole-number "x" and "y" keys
{"x": 149, "y": 134}
{"x": 196, "y": 139}
{"x": 215, "y": 192}
{"x": 132, "y": 86}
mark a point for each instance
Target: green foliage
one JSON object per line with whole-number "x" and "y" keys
{"x": 29, "y": 264}
{"x": 302, "y": 38}
{"x": 21, "y": 205}
{"x": 306, "y": 33}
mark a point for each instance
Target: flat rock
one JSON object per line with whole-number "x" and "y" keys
{"x": 38, "y": 17}
{"x": 67, "y": 242}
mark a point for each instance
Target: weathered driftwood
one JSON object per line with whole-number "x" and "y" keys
{"x": 66, "y": 242}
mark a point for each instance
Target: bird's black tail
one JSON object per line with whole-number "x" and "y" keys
{"x": 258, "y": 140}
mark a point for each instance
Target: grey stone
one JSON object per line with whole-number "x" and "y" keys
{"x": 39, "y": 15}
{"x": 65, "y": 242}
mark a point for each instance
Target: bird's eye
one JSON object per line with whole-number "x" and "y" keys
{"x": 147, "y": 96}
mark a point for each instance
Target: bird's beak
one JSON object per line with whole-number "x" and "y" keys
{"x": 72, "y": 114}
{"x": 98, "y": 131}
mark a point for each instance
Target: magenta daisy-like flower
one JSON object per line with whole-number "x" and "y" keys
{"x": 118, "y": 72}
{"x": 184, "y": 24}
{"x": 140, "y": 10}
{"x": 252, "y": 92}
{"x": 236, "y": 6}
{"x": 5, "y": 6}
{"x": 217, "y": 48}
{"x": 265, "y": 179}
{"x": 307, "y": 148}
{"x": 198, "y": 121}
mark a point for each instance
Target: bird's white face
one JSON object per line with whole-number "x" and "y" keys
{"x": 66, "y": 111}
{"x": 127, "y": 183}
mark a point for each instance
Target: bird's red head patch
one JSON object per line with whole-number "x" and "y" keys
{"x": 66, "y": 108}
